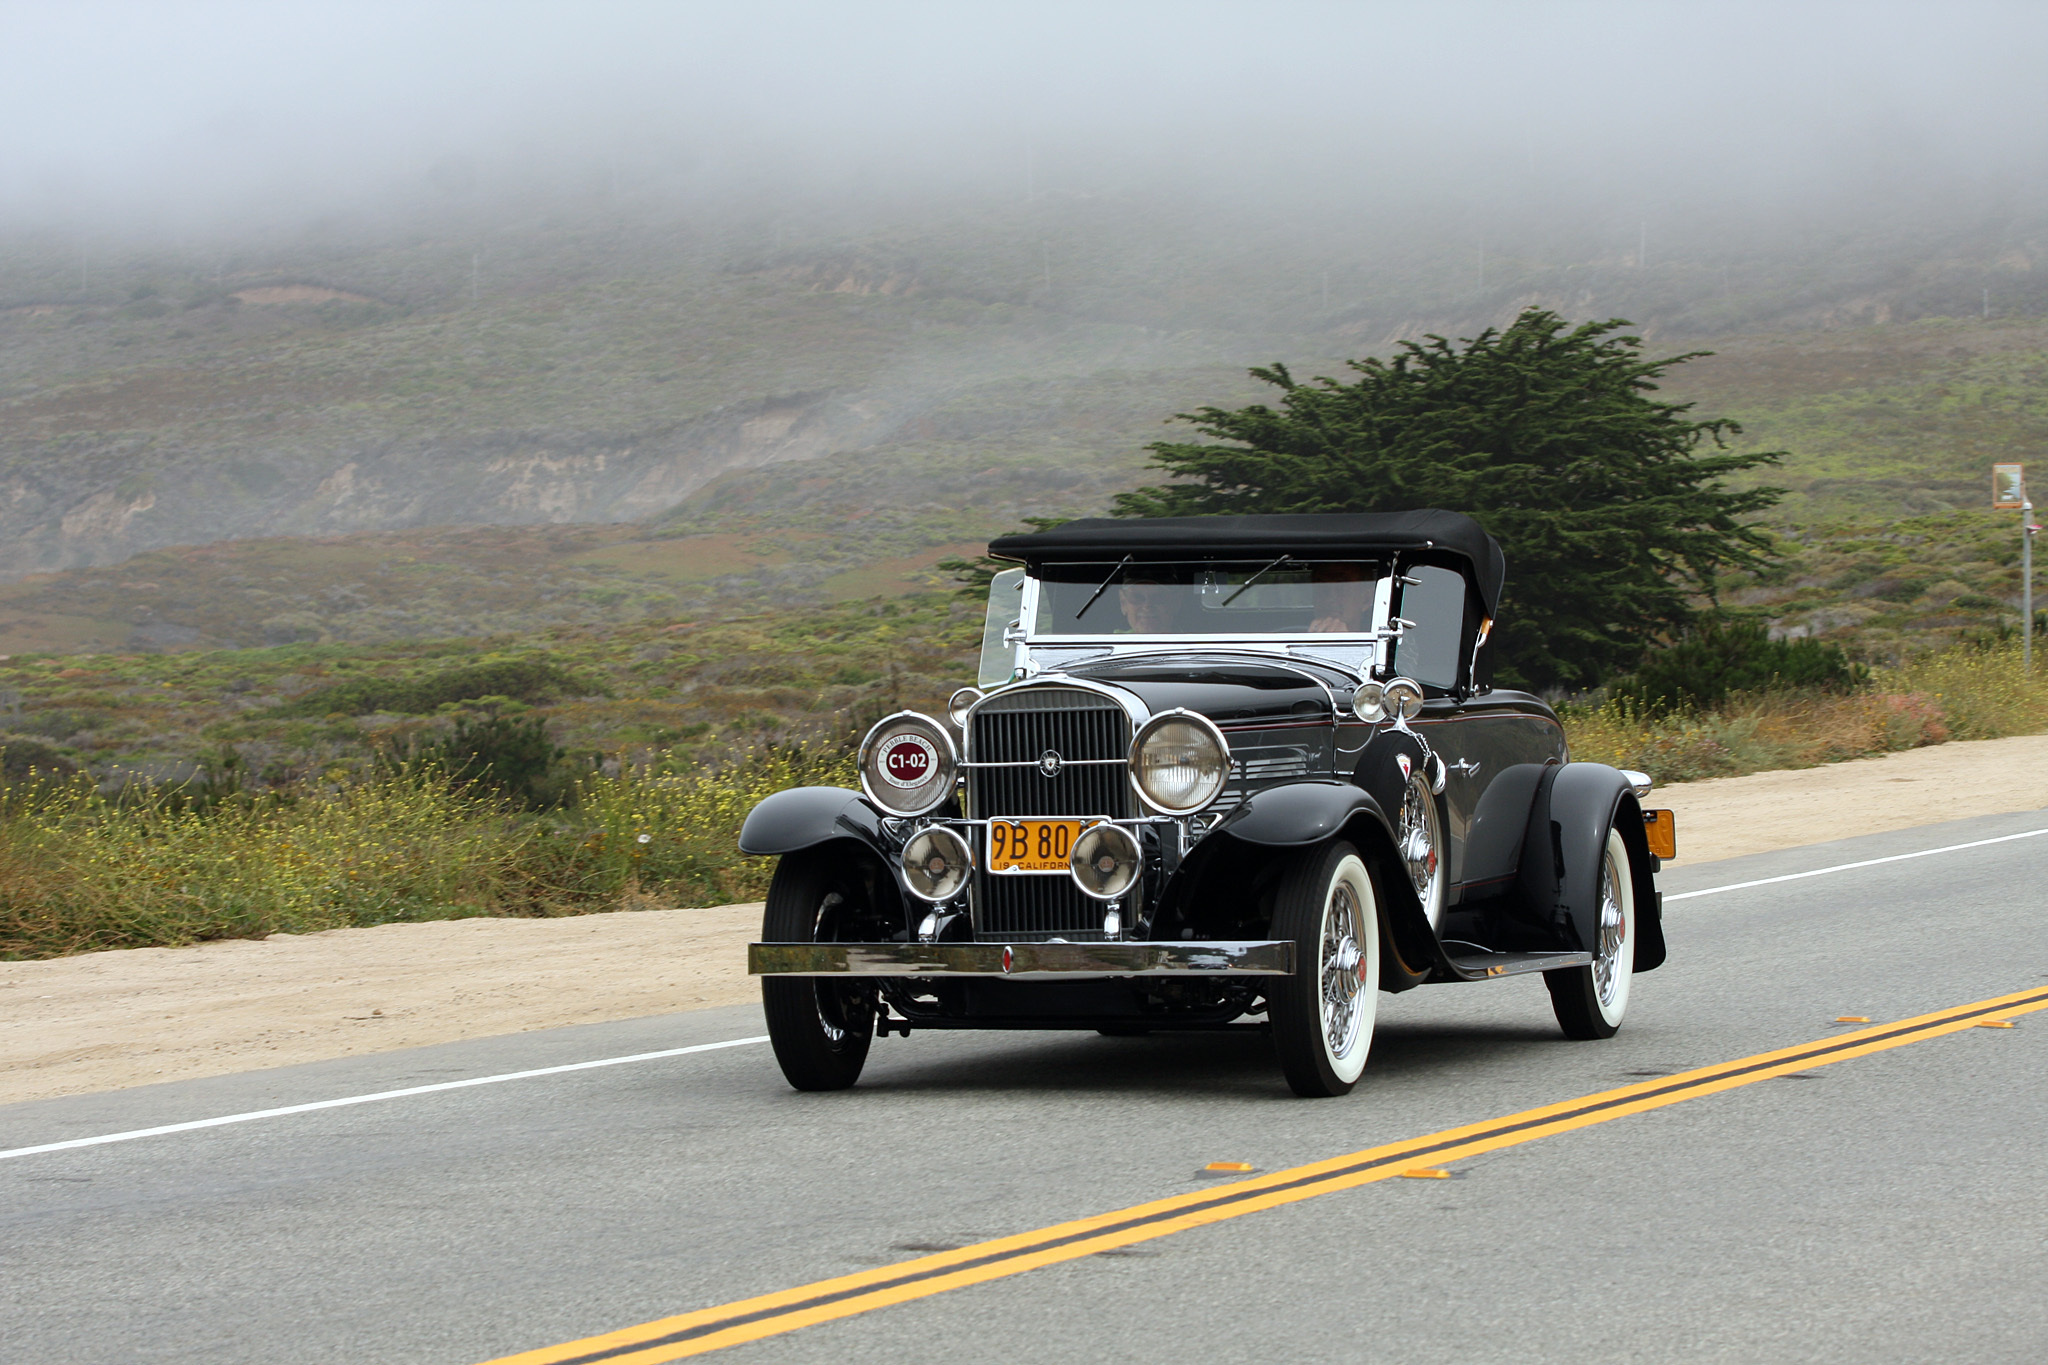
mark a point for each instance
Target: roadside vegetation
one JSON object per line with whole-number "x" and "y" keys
{"x": 162, "y": 800}
{"x": 1967, "y": 691}
{"x": 165, "y": 799}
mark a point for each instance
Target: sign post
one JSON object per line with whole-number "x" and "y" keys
{"x": 2009, "y": 490}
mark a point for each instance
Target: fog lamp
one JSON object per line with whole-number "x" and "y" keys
{"x": 936, "y": 863}
{"x": 1105, "y": 861}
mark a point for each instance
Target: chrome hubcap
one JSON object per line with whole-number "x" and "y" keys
{"x": 1613, "y": 932}
{"x": 1344, "y": 967}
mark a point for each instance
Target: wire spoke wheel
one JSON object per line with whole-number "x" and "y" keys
{"x": 1607, "y": 980}
{"x": 1322, "y": 1015}
{"x": 1340, "y": 958}
{"x": 1591, "y": 1001}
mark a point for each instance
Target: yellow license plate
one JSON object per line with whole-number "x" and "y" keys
{"x": 1662, "y": 828}
{"x": 1032, "y": 845}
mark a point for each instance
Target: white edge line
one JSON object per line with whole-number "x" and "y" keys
{"x": 255, "y": 1114}
{"x": 1850, "y": 867}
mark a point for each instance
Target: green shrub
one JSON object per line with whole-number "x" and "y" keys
{"x": 534, "y": 681}
{"x": 23, "y": 759}
{"x": 1720, "y": 659}
{"x": 513, "y": 757}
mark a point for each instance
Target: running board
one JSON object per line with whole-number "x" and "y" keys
{"x": 1480, "y": 966}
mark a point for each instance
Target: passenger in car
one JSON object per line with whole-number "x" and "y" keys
{"x": 1343, "y": 598}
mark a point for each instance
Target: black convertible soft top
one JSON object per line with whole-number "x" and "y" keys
{"x": 1417, "y": 536}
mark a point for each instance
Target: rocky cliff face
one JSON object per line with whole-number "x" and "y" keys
{"x": 82, "y": 501}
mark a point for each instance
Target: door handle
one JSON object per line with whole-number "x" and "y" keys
{"x": 1465, "y": 767}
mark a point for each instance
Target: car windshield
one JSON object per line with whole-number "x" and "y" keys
{"x": 1278, "y": 596}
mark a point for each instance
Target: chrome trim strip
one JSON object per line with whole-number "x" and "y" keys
{"x": 1064, "y": 763}
{"x": 1025, "y": 960}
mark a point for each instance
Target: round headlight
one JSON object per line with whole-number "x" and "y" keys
{"x": 958, "y": 705}
{"x": 1178, "y": 762}
{"x": 936, "y": 863}
{"x": 1369, "y": 701}
{"x": 907, "y": 764}
{"x": 1105, "y": 861}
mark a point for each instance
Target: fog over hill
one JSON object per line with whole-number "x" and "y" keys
{"x": 329, "y": 269}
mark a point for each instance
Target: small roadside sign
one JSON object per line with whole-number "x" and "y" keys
{"x": 2008, "y": 486}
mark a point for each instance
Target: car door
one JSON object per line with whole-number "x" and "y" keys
{"x": 1433, "y": 649}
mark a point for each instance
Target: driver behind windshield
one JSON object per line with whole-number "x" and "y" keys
{"x": 1149, "y": 605}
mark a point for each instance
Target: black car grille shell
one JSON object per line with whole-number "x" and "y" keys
{"x": 1021, "y": 726}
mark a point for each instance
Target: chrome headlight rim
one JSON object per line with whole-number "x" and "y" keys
{"x": 1129, "y": 852}
{"x": 887, "y": 794}
{"x": 1209, "y": 729}
{"x": 958, "y": 854}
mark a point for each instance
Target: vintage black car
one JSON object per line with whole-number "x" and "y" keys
{"x": 1219, "y": 770}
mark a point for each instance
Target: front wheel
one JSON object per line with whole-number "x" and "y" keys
{"x": 1322, "y": 1016}
{"x": 1590, "y": 1001}
{"x": 820, "y": 1028}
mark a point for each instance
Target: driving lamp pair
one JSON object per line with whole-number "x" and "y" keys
{"x": 1104, "y": 863}
{"x": 1397, "y": 698}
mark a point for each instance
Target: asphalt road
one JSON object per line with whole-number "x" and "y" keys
{"x": 1891, "y": 1207}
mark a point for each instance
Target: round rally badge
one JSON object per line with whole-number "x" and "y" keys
{"x": 909, "y": 760}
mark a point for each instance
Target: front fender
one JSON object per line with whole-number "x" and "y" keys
{"x": 1221, "y": 887}
{"x": 804, "y": 817}
{"x": 1298, "y": 813}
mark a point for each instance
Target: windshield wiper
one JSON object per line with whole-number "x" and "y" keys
{"x": 1242, "y": 587}
{"x": 1103, "y": 589}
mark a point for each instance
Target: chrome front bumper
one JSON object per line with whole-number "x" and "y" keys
{"x": 1021, "y": 960}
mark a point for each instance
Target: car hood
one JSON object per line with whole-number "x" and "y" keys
{"x": 1226, "y": 690}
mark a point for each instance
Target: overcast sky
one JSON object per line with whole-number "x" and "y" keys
{"x": 126, "y": 117}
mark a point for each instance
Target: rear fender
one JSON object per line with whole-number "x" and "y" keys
{"x": 1559, "y": 879}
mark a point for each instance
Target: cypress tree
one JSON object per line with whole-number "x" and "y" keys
{"x": 1609, "y": 502}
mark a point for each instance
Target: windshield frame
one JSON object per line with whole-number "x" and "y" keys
{"x": 1376, "y": 629}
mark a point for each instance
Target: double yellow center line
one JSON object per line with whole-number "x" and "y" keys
{"x": 712, "y": 1329}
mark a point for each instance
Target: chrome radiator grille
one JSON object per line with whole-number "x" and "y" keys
{"x": 1018, "y": 727}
